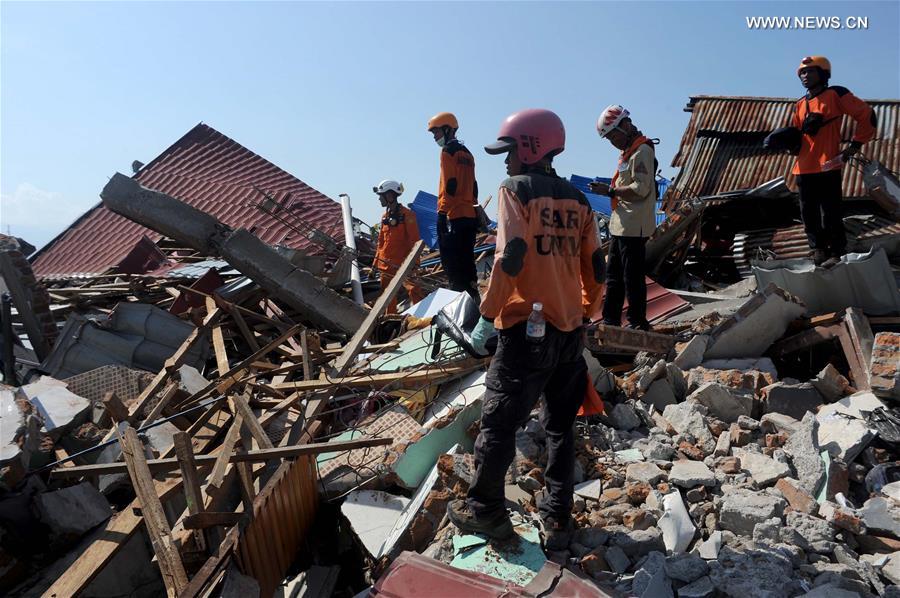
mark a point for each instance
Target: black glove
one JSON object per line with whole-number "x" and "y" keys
{"x": 851, "y": 150}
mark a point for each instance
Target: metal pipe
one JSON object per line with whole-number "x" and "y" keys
{"x": 350, "y": 240}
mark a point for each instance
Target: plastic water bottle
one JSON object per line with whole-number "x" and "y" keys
{"x": 536, "y": 327}
{"x": 834, "y": 163}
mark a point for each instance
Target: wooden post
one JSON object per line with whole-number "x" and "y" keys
{"x": 114, "y": 408}
{"x": 170, "y": 565}
{"x": 342, "y": 364}
{"x": 185, "y": 453}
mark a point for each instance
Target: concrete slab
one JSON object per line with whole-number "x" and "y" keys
{"x": 373, "y": 515}
{"x": 73, "y": 510}
{"x": 842, "y": 428}
{"x": 60, "y": 409}
{"x": 676, "y": 525}
{"x": 11, "y": 421}
{"x": 759, "y": 322}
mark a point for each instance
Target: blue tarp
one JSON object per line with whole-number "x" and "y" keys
{"x": 425, "y": 207}
{"x": 601, "y": 203}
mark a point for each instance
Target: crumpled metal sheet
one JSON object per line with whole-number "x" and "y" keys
{"x": 862, "y": 280}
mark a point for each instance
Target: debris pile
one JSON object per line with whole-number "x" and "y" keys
{"x": 211, "y": 412}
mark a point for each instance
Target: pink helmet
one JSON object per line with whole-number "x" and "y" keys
{"x": 610, "y": 118}
{"x": 535, "y": 133}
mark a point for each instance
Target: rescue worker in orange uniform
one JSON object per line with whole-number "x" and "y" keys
{"x": 819, "y": 115}
{"x": 396, "y": 237}
{"x": 548, "y": 251}
{"x": 457, "y": 193}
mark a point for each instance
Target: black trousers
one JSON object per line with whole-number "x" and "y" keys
{"x": 456, "y": 239}
{"x": 822, "y": 213}
{"x": 625, "y": 277}
{"x": 518, "y": 374}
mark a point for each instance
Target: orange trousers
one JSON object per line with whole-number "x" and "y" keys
{"x": 415, "y": 293}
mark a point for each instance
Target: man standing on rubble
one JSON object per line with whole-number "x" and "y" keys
{"x": 457, "y": 193}
{"x": 548, "y": 251}
{"x": 818, "y": 115}
{"x": 396, "y": 237}
{"x": 632, "y": 194}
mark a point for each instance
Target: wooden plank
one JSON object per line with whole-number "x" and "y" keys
{"x": 345, "y": 360}
{"x": 170, "y": 565}
{"x": 304, "y": 344}
{"x": 256, "y": 430}
{"x": 243, "y": 328}
{"x": 217, "y": 477}
{"x": 393, "y": 379}
{"x": 858, "y": 370}
{"x": 245, "y": 479}
{"x": 20, "y": 297}
{"x": 166, "y": 398}
{"x": 255, "y": 456}
{"x": 201, "y": 521}
{"x": 191, "y": 481}
{"x": 114, "y": 408}
{"x": 218, "y": 341}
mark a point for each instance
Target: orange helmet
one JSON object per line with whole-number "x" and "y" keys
{"x": 443, "y": 119}
{"x": 819, "y": 61}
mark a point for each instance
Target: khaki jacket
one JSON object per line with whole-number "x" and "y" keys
{"x": 635, "y": 214}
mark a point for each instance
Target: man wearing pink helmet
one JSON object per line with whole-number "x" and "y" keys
{"x": 633, "y": 220}
{"x": 548, "y": 251}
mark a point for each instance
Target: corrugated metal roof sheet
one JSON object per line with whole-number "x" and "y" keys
{"x": 210, "y": 172}
{"x": 721, "y": 149}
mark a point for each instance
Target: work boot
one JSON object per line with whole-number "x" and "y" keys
{"x": 832, "y": 261}
{"x": 645, "y": 326}
{"x": 819, "y": 256}
{"x": 462, "y": 516}
{"x": 557, "y": 533}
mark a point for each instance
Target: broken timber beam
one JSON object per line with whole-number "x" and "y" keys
{"x": 343, "y": 362}
{"x": 170, "y": 565}
{"x": 393, "y": 380}
{"x": 626, "y": 340}
{"x": 188, "y": 465}
{"x": 240, "y": 248}
{"x": 281, "y": 452}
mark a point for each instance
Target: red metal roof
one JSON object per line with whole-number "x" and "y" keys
{"x": 210, "y": 172}
{"x": 721, "y": 149}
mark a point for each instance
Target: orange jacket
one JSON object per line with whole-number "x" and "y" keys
{"x": 832, "y": 104}
{"x": 396, "y": 237}
{"x": 548, "y": 250}
{"x": 458, "y": 189}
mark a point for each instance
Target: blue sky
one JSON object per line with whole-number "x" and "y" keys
{"x": 338, "y": 93}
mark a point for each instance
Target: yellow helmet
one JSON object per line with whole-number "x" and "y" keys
{"x": 443, "y": 119}
{"x": 819, "y": 61}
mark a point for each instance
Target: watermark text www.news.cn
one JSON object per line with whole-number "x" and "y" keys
{"x": 818, "y": 22}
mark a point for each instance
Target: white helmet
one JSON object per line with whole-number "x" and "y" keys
{"x": 388, "y": 185}
{"x": 610, "y": 118}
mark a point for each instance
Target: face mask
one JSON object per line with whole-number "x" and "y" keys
{"x": 441, "y": 141}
